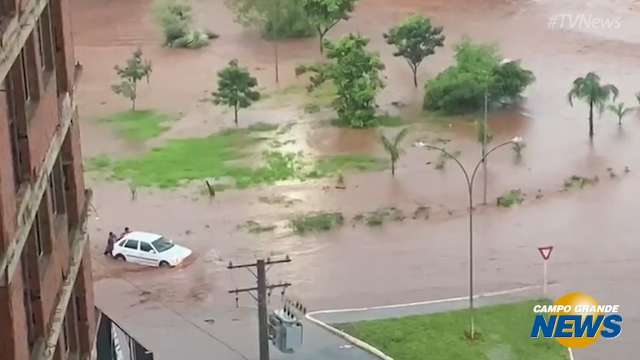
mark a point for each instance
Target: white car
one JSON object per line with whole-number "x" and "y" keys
{"x": 149, "y": 249}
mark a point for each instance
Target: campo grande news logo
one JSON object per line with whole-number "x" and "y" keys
{"x": 576, "y": 320}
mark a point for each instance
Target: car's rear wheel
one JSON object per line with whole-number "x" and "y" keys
{"x": 164, "y": 264}
{"x": 121, "y": 257}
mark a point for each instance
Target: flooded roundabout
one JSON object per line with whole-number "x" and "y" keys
{"x": 422, "y": 252}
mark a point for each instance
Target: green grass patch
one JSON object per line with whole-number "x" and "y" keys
{"x": 380, "y": 120}
{"x": 98, "y": 163}
{"x": 504, "y": 334}
{"x": 228, "y": 157}
{"x": 511, "y": 198}
{"x": 316, "y": 222}
{"x": 139, "y": 125}
{"x": 336, "y": 164}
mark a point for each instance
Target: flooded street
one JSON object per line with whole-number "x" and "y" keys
{"x": 593, "y": 229}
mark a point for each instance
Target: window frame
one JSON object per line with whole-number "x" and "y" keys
{"x": 46, "y": 47}
{"x": 147, "y": 244}
{"x": 130, "y": 248}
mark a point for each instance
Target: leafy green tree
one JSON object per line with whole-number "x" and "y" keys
{"x": 589, "y": 90}
{"x": 619, "y": 110}
{"x": 355, "y": 72}
{"x": 135, "y": 70}
{"x": 479, "y": 69}
{"x": 325, "y": 14}
{"x": 276, "y": 19}
{"x": 392, "y": 147}
{"x": 415, "y": 39}
{"x": 638, "y": 97}
{"x": 235, "y": 88}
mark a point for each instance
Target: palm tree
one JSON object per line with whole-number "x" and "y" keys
{"x": 620, "y": 110}
{"x": 589, "y": 90}
{"x": 393, "y": 148}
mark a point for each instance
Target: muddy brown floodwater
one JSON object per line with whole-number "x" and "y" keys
{"x": 593, "y": 229}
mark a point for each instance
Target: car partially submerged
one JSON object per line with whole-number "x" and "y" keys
{"x": 149, "y": 249}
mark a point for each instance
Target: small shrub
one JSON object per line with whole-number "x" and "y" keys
{"x": 100, "y": 162}
{"x": 380, "y": 216}
{"x": 511, "y": 198}
{"x": 579, "y": 182}
{"x": 176, "y": 20}
{"x": 316, "y": 222}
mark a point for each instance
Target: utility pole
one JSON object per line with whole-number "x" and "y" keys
{"x": 261, "y": 289}
{"x": 484, "y": 142}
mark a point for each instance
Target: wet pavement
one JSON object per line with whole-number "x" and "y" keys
{"x": 593, "y": 229}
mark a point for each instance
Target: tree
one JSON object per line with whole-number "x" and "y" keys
{"x": 325, "y": 14}
{"x": 638, "y": 97}
{"x": 235, "y": 88}
{"x": 275, "y": 19}
{"x": 355, "y": 73}
{"x": 135, "y": 70}
{"x": 415, "y": 39}
{"x": 619, "y": 110}
{"x": 392, "y": 147}
{"x": 479, "y": 69}
{"x": 589, "y": 90}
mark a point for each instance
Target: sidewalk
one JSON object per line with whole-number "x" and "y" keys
{"x": 171, "y": 335}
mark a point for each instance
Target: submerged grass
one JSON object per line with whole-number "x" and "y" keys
{"x": 380, "y": 216}
{"x": 316, "y": 222}
{"x": 504, "y": 334}
{"x": 225, "y": 157}
{"x": 511, "y": 198}
{"x": 139, "y": 125}
{"x": 330, "y": 165}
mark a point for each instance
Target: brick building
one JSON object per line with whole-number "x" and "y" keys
{"x": 46, "y": 294}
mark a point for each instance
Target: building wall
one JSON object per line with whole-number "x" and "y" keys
{"x": 30, "y": 297}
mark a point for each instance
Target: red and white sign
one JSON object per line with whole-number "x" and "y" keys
{"x": 545, "y": 251}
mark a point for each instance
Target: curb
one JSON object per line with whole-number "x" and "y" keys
{"x": 354, "y": 340}
{"x": 375, "y": 351}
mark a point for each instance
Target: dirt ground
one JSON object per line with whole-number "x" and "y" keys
{"x": 356, "y": 266}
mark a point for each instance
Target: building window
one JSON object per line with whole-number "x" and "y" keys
{"x": 30, "y": 73}
{"x": 37, "y": 234}
{"x": 24, "y": 66}
{"x": 45, "y": 41}
{"x": 57, "y": 188}
{"x": 17, "y": 131}
{"x": 30, "y": 316}
{"x": 65, "y": 334}
{"x": 7, "y": 8}
{"x": 40, "y": 230}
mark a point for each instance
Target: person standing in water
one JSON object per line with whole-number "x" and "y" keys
{"x": 125, "y": 232}
{"x": 110, "y": 241}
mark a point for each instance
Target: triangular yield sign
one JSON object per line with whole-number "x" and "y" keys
{"x": 545, "y": 251}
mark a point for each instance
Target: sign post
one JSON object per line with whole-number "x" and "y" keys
{"x": 545, "y": 252}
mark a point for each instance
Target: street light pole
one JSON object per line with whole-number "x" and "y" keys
{"x": 484, "y": 141}
{"x": 470, "y": 182}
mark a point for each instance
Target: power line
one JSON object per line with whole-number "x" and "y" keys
{"x": 201, "y": 329}
{"x": 261, "y": 298}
